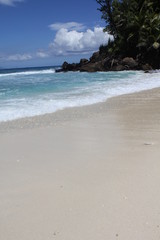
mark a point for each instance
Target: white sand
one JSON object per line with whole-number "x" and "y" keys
{"x": 90, "y": 173}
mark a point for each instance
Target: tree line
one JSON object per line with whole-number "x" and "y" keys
{"x": 135, "y": 25}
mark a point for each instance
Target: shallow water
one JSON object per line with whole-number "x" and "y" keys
{"x": 36, "y": 91}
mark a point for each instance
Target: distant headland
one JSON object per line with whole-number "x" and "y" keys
{"x": 135, "y": 27}
{"x": 103, "y": 63}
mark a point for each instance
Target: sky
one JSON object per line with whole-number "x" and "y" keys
{"x": 49, "y": 32}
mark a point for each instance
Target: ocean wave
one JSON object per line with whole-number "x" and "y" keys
{"x": 48, "y": 71}
{"x": 72, "y": 92}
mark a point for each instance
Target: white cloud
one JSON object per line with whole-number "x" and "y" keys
{"x": 9, "y": 2}
{"x": 25, "y": 56}
{"x": 42, "y": 54}
{"x": 70, "y": 42}
{"x": 69, "y": 26}
{"x": 19, "y": 57}
{"x": 67, "y": 42}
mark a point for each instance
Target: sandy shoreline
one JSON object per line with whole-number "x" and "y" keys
{"x": 59, "y": 117}
{"x": 83, "y": 173}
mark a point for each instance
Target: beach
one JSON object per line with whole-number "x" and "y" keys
{"x": 89, "y": 172}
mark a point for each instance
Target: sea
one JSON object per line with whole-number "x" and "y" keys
{"x": 30, "y": 92}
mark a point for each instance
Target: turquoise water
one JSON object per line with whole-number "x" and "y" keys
{"x": 36, "y": 91}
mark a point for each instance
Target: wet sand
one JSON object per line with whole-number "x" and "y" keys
{"x": 83, "y": 173}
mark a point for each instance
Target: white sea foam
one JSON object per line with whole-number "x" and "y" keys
{"x": 28, "y": 73}
{"x": 96, "y": 88}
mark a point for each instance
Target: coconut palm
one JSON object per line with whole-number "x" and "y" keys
{"x": 135, "y": 25}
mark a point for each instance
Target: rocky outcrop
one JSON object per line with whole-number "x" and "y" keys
{"x": 130, "y": 62}
{"x": 101, "y": 62}
{"x": 83, "y": 61}
{"x": 146, "y": 67}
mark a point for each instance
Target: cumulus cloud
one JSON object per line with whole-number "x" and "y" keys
{"x": 68, "y": 40}
{"x": 19, "y": 57}
{"x": 71, "y": 41}
{"x": 9, "y": 2}
{"x": 69, "y": 26}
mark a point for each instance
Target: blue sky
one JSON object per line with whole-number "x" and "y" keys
{"x": 47, "y": 32}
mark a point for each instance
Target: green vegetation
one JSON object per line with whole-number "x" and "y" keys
{"x": 135, "y": 25}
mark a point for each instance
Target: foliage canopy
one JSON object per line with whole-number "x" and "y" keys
{"x": 135, "y": 25}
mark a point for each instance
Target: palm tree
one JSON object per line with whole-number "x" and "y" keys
{"x": 135, "y": 25}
